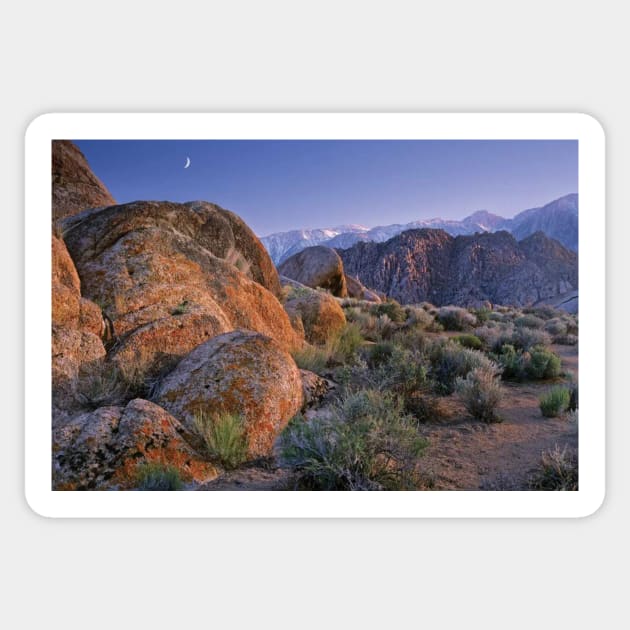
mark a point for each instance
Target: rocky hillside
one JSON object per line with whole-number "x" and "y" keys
{"x": 163, "y": 313}
{"x": 74, "y": 185}
{"x": 558, "y": 220}
{"x": 431, "y": 265}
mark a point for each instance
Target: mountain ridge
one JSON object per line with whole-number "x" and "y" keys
{"x": 558, "y": 219}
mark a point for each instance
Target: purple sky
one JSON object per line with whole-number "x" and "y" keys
{"x": 281, "y": 185}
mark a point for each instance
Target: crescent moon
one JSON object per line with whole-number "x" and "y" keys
{"x": 187, "y": 162}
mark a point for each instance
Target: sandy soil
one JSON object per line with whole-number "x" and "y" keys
{"x": 464, "y": 454}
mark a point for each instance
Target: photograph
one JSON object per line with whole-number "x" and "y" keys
{"x": 314, "y": 314}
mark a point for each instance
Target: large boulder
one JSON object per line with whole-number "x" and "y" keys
{"x": 318, "y": 313}
{"x": 74, "y": 185}
{"x": 317, "y": 266}
{"x": 77, "y": 327}
{"x": 240, "y": 372}
{"x": 358, "y": 291}
{"x": 171, "y": 276}
{"x": 102, "y": 449}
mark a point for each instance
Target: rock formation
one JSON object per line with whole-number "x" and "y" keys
{"x": 317, "y": 267}
{"x": 240, "y": 372}
{"x": 430, "y": 265}
{"x": 74, "y": 185}
{"x": 318, "y": 314}
{"x": 171, "y": 276}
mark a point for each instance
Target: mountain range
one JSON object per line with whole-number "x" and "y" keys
{"x": 557, "y": 219}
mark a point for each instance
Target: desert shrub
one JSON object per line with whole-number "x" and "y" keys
{"x": 404, "y": 372}
{"x": 455, "y": 318}
{"x": 529, "y": 321}
{"x": 481, "y": 392}
{"x": 223, "y": 435}
{"x": 469, "y": 341}
{"x": 525, "y": 338}
{"x": 566, "y": 340}
{"x": 367, "y": 443}
{"x": 554, "y": 402}
{"x": 291, "y": 291}
{"x": 379, "y": 353}
{"x": 543, "y": 363}
{"x": 556, "y": 327}
{"x": 418, "y": 318}
{"x": 482, "y": 314}
{"x": 313, "y": 358}
{"x": 101, "y": 386}
{"x": 450, "y": 361}
{"x": 392, "y": 309}
{"x": 544, "y": 311}
{"x": 411, "y": 339}
{"x": 385, "y": 327}
{"x": 495, "y": 316}
{"x": 426, "y": 408}
{"x": 495, "y": 336}
{"x": 157, "y": 476}
{"x": 513, "y": 362}
{"x": 343, "y": 346}
{"x": 366, "y": 323}
{"x": 558, "y": 470}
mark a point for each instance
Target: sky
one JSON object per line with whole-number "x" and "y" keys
{"x": 279, "y": 185}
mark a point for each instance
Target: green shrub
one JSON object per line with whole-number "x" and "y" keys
{"x": 513, "y": 362}
{"x": 544, "y": 311}
{"x": 495, "y": 336}
{"x": 379, "y": 353}
{"x": 543, "y": 363}
{"x": 157, "y": 476}
{"x": 529, "y": 321}
{"x": 524, "y": 338}
{"x": 426, "y": 408}
{"x": 411, "y": 339}
{"x": 455, "y": 318}
{"x": 418, "y": 318}
{"x": 555, "y": 402}
{"x": 365, "y": 322}
{"x": 313, "y": 358}
{"x": 556, "y": 327}
{"x": 481, "y": 393}
{"x": 367, "y": 443}
{"x": 558, "y": 471}
{"x": 385, "y": 328}
{"x": 343, "y": 346}
{"x": 223, "y": 435}
{"x": 469, "y": 341}
{"x": 450, "y": 361}
{"x": 482, "y": 314}
{"x": 392, "y": 309}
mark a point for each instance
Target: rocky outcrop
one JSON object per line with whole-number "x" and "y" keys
{"x": 239, "y": 372}
{"x": 358, "y": 291}
{"x": 314, "y": 387}
{"x": 77, "y": 327}
{"x": 102, "y": 449}
{"x": 317, "y": 267}
{"x": 74, "y": 185}
{"x": 171, "y": 276}
{"x": 318, "y": 314}
{"x": 430, "y": 265}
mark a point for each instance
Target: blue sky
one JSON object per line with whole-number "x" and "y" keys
{"x": 281, "y": 185}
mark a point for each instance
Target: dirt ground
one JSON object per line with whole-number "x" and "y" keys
{"x": 464, "y": 454}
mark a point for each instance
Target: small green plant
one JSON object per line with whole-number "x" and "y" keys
{"x": 529, "y": 321}
{"x": 481, "y": 392}
{"x": 313, "y": 358}
{"x": 456, "y": 318}
{"x": 555, "y": 402}
{"x": 181, "y": 308}
{"x": 543, "y": 363}
{"x": 343, "y": 347}
{"x": 223, "y": 435}
{"x": 469, "y": 341}
{"x": 392, "y": 309}
{"x": 558, "y": 471}
{"x": 157, "y": 476}
{"x": 101, "y": 387}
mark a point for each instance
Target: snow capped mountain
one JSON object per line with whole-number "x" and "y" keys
{"x": 557, "y": 219}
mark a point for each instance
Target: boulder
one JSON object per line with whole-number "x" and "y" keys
{"x": 240, "y": 372}
{"x": 74, "y": 185}
{"x": 314, "y": 387}
{"x": 171, "y": 276}
{"x": 77, "y": 326}
{"x": 319, "y": 314}
{"x": 102, "y": 449}
{"x": 317, "y": 266}
{"x": 358, "y": 291}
